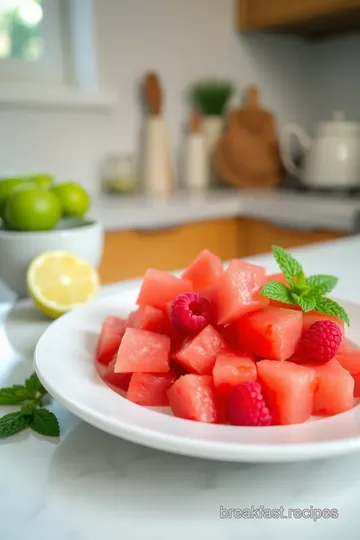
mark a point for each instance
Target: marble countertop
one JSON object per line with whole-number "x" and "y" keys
{"x": 288, "y": 208}
{"x": 90, "y": 485}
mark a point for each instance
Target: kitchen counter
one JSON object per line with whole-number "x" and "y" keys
{"x": 89, "y": 485}
{"x": 287, "y": 208}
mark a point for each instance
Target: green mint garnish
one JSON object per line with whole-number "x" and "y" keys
{"x": 32, "y": 414}
{"x": 323, "y": 283}
{"x": 330, "y": 307}
{"x": 45, "y": 423}
{"x": 305, "y": 292}
{"x": 13, "y": 423}
{"x": 277, "y": 291}
{"x": 287, "y": 264}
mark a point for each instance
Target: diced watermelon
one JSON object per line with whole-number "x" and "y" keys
{"x": 335, "y": 389}
{"x": 204, "y": 270}
{"x": 198, "y": 355}
{"x": 231, "y": 370}
{"x": 236, "y": 292}
{"x": 193, "y": 397}
{"x": 229, "y": 334}
{"x": 141, "y": 351}
{"x": 159, "y": 288}
{"x": 112, "y": 331}
{"x": 272, "y": 333}
{"x": 356, "y": 385}
{"x": 350, "y": 358}
{"x": 288, "y": 389}
{"x": 312, "y": 317}
{"x": 119, "y": 380}
{"x": 282, "y": 279}
{"x": 151, "y": 319}
{"x": 150, "y": 389}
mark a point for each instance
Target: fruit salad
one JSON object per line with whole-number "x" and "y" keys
{"x": 234, "y": 345}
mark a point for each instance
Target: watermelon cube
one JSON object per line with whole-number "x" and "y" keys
{"x": 204, "y": 270}
{"x": 112, "y": 331}
{"x": 198, "y": 355}
{"x": 230, "y": 335}
{"x": 272, "y": 333}
{"x": 236, "y": 291}
{"x": 350, "y": 358}
{"x": 312, "y": 317}
{"x": 356, "y": 385}
{"x": 231, "y": 370}
{"x": 159, "y": 288}
{"x": 150, "y": 389}
{"x": 141, "y": 351}
{"x": 335, "y": 389}
{"x": 119, "y": 380}
{"x": 193, "y": 397}
{"x": 288, "y": 389}
{"x": 151, "y": 319}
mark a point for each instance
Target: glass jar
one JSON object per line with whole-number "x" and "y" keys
{"x": 118, "y": 173}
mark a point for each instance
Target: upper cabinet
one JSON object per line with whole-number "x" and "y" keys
{"x": 306, "y": 17}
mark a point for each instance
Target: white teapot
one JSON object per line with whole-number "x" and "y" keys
{"x": 332, "y": 157}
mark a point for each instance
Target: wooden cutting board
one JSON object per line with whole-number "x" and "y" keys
{"x": 247, "y": 154}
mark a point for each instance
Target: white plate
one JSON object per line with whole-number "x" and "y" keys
{"x": 65, "y": 365}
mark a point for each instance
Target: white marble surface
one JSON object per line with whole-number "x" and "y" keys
{"x": 299, "y": 210}
{"x": 89, "y": 485}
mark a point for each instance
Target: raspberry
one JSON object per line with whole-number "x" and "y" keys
{"x": 321, "y": 341}
{"x": 191, "y": 312}
{"x": 247, "y": 407}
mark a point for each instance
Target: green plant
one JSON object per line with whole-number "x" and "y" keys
{"x": 32, "y": 413}
{"x": 306, "y": 292}
{"x": 211, "y": 96}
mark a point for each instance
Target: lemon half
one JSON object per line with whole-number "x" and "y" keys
{"x": 59, "y": 281}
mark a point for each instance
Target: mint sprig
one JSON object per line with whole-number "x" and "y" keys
{"x": 306, "y": 292}
{"x": 32, "y": 413}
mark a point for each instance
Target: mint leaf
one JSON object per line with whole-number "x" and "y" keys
{"x": 322, "y": 283}
{"x": 45, "y": 423}
{"x": 13, "y": 423}
{"x": 28, "y": 409}
{"x": 277, "y": 291}
{"x": 13, "y": 395}
{"x": 34, "y": 386}
{"x": 330, "y": 307}
{"x": 306, "y": 302}
{"x": 287, "y": 264}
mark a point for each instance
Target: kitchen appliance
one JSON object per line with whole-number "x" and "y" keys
{"x": 247, "y": 154}
{"x": 331, "y": 157}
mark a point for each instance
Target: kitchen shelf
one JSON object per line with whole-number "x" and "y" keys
{"x": 308, "y": 18}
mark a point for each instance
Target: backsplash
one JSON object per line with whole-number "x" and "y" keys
{"x": 200, "y": 40}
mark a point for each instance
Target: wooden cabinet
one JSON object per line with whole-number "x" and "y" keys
{"x": 127, "y": 254}
{"x": 310, "y": 17}
{"x": 262, "y": 235}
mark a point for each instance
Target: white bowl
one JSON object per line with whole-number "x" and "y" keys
{"x": 84, "y": 238}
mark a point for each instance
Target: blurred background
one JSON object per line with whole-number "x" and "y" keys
{"x": 222, "y": 124}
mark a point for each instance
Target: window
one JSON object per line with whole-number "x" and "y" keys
{"x": 48, "y": 53}
{"x": 31, "y": 40}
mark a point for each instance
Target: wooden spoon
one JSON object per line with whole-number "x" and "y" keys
{"x": 153, "y": 94}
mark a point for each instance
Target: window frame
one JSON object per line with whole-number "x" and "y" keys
{"x": 72, "y": 82}
{"x": 50, "y": 68}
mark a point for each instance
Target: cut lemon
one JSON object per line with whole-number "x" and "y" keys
{"x": 59, "y": 281}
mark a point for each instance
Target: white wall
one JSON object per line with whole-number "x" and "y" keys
{"x": 338, "y": 78}
{"x": 182, "y": 39}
